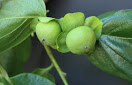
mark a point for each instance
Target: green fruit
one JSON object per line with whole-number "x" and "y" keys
{"x": 48, "y": 32}
{"x": 81, "y": 40}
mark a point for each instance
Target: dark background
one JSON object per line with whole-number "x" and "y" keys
{"x": 78, "y": 68}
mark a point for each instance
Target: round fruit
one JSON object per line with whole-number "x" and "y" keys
{"x": 48, "y": 32}
{"x": 81, "y": 40}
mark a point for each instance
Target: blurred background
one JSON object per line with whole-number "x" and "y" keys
{"x": 78, "y": 68}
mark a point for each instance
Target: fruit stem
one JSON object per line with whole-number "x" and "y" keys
{"x": 60, "y": 72}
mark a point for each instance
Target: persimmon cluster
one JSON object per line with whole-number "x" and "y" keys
{"x": 70, "y": 33}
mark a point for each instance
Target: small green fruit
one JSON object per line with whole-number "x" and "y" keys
{"x": 48, "y": 32}
{"x": 81, "y": 40}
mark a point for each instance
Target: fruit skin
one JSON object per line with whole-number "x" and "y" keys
{"x": 81, "y": 40}
{"x": 48, "y": 32}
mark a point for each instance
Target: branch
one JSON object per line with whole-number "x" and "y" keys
{"x": 61, "y": 73}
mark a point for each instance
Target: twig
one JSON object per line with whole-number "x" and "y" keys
{"x": 61, "y": 73}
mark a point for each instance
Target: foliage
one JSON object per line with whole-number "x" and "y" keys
{"x": 113, "y": 50}
{"x": 14, "y": 59}
{"x": 15, "y": 19}
{"x": 19, "y": 18}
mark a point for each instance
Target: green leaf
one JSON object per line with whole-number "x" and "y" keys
{"x": 15, "y": 19}
{"x": 121, "y": 28}
{"x": 45, "y": 72}
{"x": 1, "y": 83}
{"x": 30, "y": 79}
{"x": 13, "y": 60}
{"x": 116, "y": 15}
{"x": 60, "y": 21}
{"x": 107, "y": 14}
{"x": 42, "y": 71}
{"x": 0, "y": 3}
{"x": 5, "y": 82}
{"x": 54, "y": 47}
{"x": 4, "y": 77}
{"x": 72, "y": 20}
{"x": 61, "y": 42}
{"x": 113, "y": 50}
{"x": 96, "y": 25}
{"x": 50, "y": 77}
{"x": 33, "y": 24}
{"x": 45, "y": 19}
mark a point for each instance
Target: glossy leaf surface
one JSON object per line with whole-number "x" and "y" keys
{"x": 15, "y": 18}
{"x": 45, "y": 72}
{"x": 13, "y": 60}
{"x": 113, "y": 52}
{"x": 30, "y": 79}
